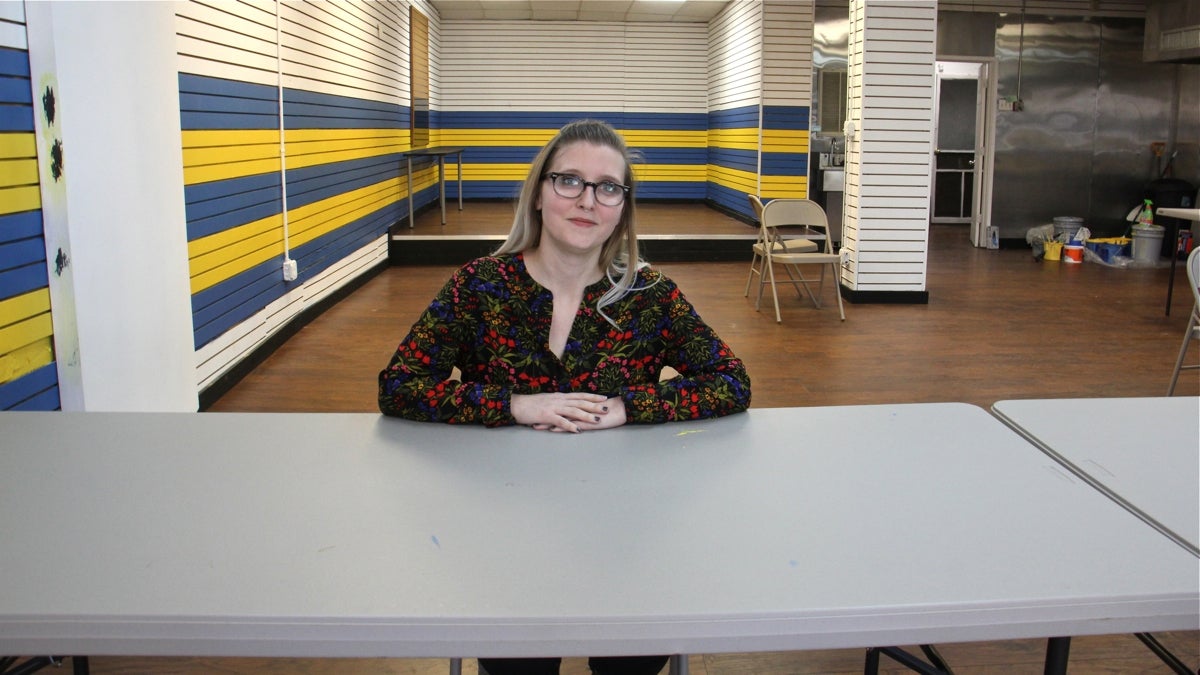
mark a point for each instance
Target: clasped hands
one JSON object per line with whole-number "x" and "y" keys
{"x": 571, "y": 412}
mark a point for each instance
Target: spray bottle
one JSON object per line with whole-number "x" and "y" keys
{"x": 1146, "y": 217}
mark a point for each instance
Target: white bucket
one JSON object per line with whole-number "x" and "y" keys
{"x": 1147, "y": 243}
{"x": 1065, "y": 228}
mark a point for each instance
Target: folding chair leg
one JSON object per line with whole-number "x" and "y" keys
{"x": 455, "y": 666}
{"x": 1188, "y": 336}
{"x": 750, "y": 276}
{"x": 774, "y": 292}
{"x": 837, "y": 290}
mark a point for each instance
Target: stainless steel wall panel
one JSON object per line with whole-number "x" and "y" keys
{"x": 1132, "y": 111}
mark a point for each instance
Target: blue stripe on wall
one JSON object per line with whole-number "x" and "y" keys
{"x": 742, "y": 160}
{"x": 790, "y": 118}
{"x": 18, "y": 280}
{"x": 37, "y": 390}
{"x": 216, "y": 103}
{"x": 784, "y": 164}
{"x": 16, "y": 97}
{"x": 219, "y": 205}
{"x": 21, "y": 225}
{"x": 14, "y": 62}
{"x": 745, "y": 117}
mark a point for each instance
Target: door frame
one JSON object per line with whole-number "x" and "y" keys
{"x": 985, "y": 143}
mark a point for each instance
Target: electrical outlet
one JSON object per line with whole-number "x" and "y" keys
{"x": 290, "y": 270}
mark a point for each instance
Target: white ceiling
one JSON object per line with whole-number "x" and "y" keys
{"x": 688, "y": 11}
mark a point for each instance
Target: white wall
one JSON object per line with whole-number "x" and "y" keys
{"x": 118, "y": 209}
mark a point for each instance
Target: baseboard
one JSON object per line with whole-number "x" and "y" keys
{"x": 221, "y": 386}
{"x": 885, "y": 297}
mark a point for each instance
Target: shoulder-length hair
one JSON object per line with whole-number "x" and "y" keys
{"x": 619, "y": 257}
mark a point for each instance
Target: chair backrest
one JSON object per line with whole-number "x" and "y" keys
{"x": 757, "y": 205}
{"x": 794, "y": 212}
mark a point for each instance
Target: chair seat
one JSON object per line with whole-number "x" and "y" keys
{"x": 795, "y": 246}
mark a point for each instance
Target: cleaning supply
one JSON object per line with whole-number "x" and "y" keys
{"x": 1146, "y": 217}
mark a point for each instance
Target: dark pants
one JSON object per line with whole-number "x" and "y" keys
{"x": 600, "y": 665}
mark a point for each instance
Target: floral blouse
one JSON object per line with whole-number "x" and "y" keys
{"x": 492, "y": 322}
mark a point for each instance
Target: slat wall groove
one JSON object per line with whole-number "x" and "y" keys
{"x": 28, "y": 371}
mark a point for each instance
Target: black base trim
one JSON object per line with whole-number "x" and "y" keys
{"x": 886, "y": 297}
{"x": 221, "y": 386}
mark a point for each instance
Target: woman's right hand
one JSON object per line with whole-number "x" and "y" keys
{"x": 558, "y": 411}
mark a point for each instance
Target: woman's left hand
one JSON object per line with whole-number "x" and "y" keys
{"x": 614, "y": 416}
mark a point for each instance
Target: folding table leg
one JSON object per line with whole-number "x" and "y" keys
{"x": 455, "y": 666}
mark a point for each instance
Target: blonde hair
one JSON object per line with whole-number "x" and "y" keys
{"x": 619, "y": 257}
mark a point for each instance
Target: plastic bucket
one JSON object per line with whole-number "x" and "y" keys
{"x": 1065, "y": 227}
{"x": 1053, "y": 250}
{"x": 1073, "y": 253}
{"x": 1147, "y": 243}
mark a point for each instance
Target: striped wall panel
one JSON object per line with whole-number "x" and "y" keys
{"x": 345, "y": 105}
{"x": 28, "y": 372}
{"x": 891, "y": 79}
{"x": 786, "y": 96}
{"x": 734, "y": 62}
{"x": 507, "y": 87}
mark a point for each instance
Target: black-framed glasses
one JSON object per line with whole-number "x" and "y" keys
{"x": 570, "y": 186}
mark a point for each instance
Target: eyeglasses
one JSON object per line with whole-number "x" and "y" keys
{"x": 570, "y": 186}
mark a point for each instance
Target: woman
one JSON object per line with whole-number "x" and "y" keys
{"x": 564, "y": 329}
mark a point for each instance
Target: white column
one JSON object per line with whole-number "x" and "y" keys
{"x": 892, "y": 55}
{"x": 114, "y": 214}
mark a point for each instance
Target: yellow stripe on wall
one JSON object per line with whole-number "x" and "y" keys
{"x": 313, "y": 220}
{"x": 742, "y": 181}
{"x": 14, "y": 172}
{"x": 210, "y": 155}
{"x": 18, "y": 145}
{"x": 671, "y": 172}
{"x": 23, "y": 306}
{"x": 205, "y": 174}
{"x": 655, "y": 138}
{"x": 734, "y": 139}
{"x": 19, "y": 199}
{"x": 784, "y": 187}
{"x": 21, "y": 333}
{"x": 776, "y": 140}
{"x": 26, "y": 359}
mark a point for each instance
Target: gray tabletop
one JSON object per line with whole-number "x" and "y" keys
{"x": 1142, "y": 452}
{"x": 358, "y": 535}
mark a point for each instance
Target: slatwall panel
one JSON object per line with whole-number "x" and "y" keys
{"x": 1134, "y": 9}
{"x": 787, "y": 98}
{"x": 28, "y": 375}
{"x": 504, "y": 88}
{"x": 891, "y": 73}
{"x": 346, "y": 115}
{"x": 735, "y": 86}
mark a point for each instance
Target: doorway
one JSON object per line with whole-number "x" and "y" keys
{"x": 964, "y": 128}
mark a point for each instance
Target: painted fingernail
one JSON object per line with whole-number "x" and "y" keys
{"x": 604, "y": 408}
{"x": 597, "y": 418}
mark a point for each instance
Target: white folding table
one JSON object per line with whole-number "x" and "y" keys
{"x": 339, "y": 535}
{"x": 1143, "y": 453}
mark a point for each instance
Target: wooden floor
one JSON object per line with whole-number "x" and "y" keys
{"x": 999, "y": 325}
